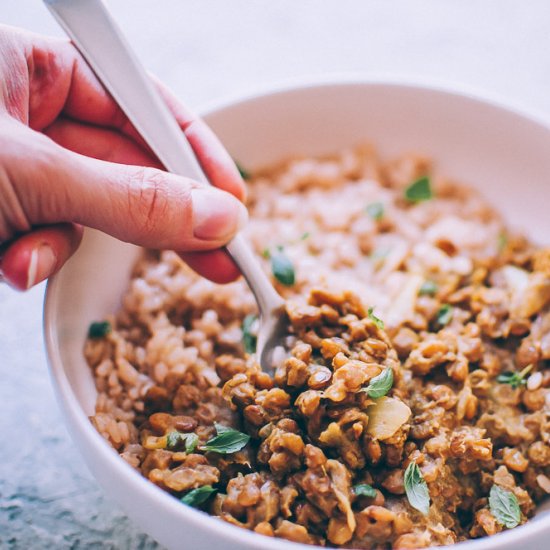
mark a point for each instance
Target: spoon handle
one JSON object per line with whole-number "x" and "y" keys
{"x": 97, "y": 37}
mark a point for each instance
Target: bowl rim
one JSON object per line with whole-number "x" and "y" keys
{"x": 452, "y": 88}
{"x": 157, "y": 497}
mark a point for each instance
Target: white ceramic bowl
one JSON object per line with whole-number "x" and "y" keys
{"x": 502, "y": 151}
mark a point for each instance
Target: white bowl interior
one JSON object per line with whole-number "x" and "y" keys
{"x": 502, "y": 152}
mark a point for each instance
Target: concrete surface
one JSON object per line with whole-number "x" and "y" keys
{"x": 208, "y": 50}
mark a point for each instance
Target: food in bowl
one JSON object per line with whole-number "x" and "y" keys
{"x": 413, "y": 408}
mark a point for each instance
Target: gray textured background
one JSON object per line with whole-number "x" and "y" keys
{"x": 208, "y": 50}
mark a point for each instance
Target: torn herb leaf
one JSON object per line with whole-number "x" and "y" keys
{"x": 378, "y": 322}
{"x": 444, "y": 315}
{"x": 226, "y": 441}
{"x": 173, "y": 440}
{"x": 364, "y": 490}
{"x": 191, "y": 442}
{"x": 381, "y": 384}
{"x": 198, "y": 496}
{"x": 176, "y": 439}
{"x": 504, "y": 506}
{"x": 249, "y": 339}
{"x": 99, "y": 329}
{"x": 416, "y": 489}
{"x": 515, "y": 379}
{"x": 419, "y": 191}
{"x": 282, "y": 267}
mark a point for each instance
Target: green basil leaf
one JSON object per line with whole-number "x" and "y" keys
{"x": 416, "y": 489}
{"x": 282, "y": 268}
{"x": 378, "y": 322}
{"x": 381, "y": 384}
{"x": 428, "y": 288}
{"x": 99, "y": 329}
{"x": 245, "y": 174}
{"x": 249, "y": 339}
{"x": 504, "y": 506}
{"x": 198, "y": 496}
{"x": 364, "y": 490}
{"x": 444, "y": 315}
{"x": 515, "y": 379}
{"x": 375, "y": 210}
{"x": 226, "y": 441}
{"x": 419, "y": 191}
{"x": 305, "y": 235}
{"x": 177, "y": 439}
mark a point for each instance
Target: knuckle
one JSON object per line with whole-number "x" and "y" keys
{"x": 149, "y": 200}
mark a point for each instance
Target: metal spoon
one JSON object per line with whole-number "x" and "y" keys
{"x": 99, "y": 40}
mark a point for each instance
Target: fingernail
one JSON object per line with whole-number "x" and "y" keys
{"x": 217, "y": 215}
{"x": 42, "y": 263}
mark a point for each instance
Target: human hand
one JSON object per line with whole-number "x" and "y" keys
{"x": 69, "y": 157}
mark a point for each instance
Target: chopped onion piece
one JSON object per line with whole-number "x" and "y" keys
{"x": 403, "y": 304}
{"x": 530, "y": 292}
{"x": 386, "y": 416}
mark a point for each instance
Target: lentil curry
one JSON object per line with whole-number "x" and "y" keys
{"x": 413, "y": 409}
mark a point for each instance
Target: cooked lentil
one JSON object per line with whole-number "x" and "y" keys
{"x": 463, "y": 311}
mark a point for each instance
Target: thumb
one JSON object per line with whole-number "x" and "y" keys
{"x": 145, "y": 206}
